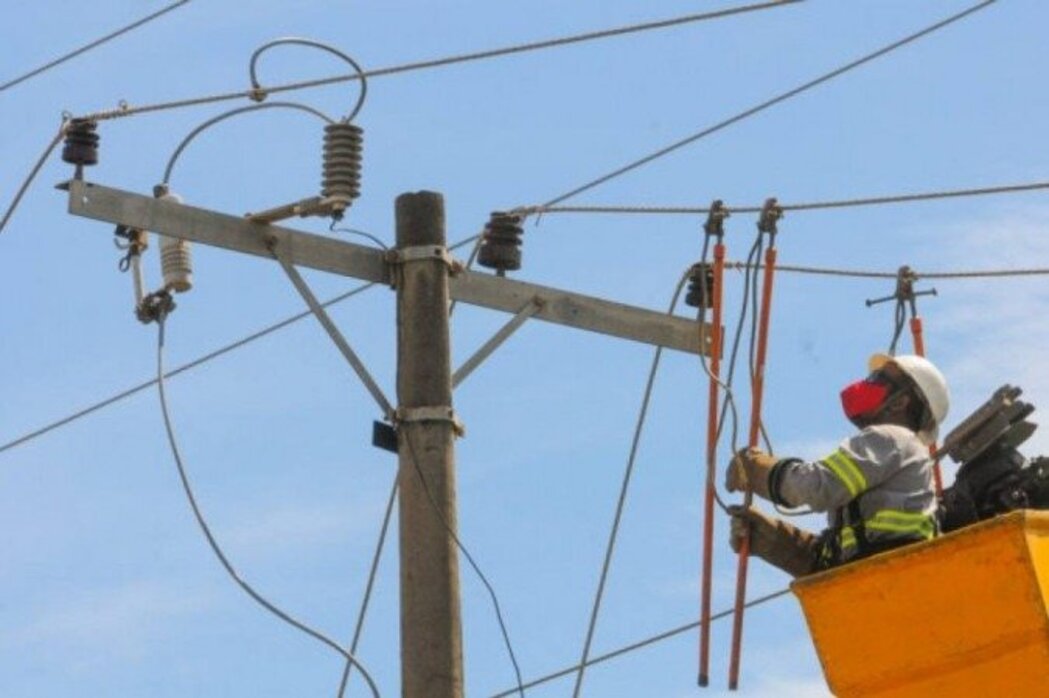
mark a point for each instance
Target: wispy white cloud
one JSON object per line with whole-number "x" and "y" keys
{"x": 993, "y": 331}
{"x": 116, "y": 624}
{"x": 296, "y": 526}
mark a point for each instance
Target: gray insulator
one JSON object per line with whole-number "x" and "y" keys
{"x": 81, "y": 143}
{"x": 343, "y": 150}
{"x": 501, "y": 243}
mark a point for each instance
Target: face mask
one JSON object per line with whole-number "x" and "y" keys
{"x": 863, "y": 399}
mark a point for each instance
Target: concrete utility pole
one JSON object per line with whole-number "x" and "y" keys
{"x": 431, "y": 627}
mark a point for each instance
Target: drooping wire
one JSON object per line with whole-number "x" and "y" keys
{"x": 641, "y": 644}
{"x": 631, "y": 460}
{"x": 228, "y": 115}
{"x": 728, "y": 404}
{"x": 782, "y": 97}
{"x": 259, "y": 92}
{"x": 899, "y": 321}
{"x": 440, "y": 62}
{"x": 206, "y": 530}
{"x": 734, "y": 355}
{"x": 32, "y": 174}
{"x": 469, "y": 558}
{"x": 359, "y": 628}
{"x": 362, "y": 233}
{"x": 94, "y": 44}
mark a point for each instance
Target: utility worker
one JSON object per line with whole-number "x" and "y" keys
{"x": 877, "y": 487}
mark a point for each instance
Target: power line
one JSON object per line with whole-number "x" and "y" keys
{"x": 633, "y": 647}
{"x": 864, "y": 274}
{"x": 213, "y": 543}
{"x": 359, "y": 628}
{"x": 469, "y": 558}
{"x": 125, "y": 111}
{"x": 810, "y": 206}
{"x": 31, "y": 176}
{"x": 113, "y": 399}
{"x": 768, "y": 103}
{"x": 621, "y": 502}
{"x": 94, "y": 44}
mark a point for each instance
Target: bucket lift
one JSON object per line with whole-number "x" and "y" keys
{"x": 966, "y": 614}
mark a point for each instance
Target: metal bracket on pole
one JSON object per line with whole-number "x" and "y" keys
{"x": 405, "y": 415}
{"x": 531, "y": 308}
{"x": 404, "y": 255}
{"x": 333, "y": 331}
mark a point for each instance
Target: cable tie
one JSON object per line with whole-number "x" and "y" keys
{"x": 440, "y": 413}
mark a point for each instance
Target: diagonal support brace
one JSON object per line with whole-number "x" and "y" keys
{"x": 531, "y": 308}
{"x": 333, "y": 332}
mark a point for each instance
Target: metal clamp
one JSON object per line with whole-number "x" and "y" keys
{"x": 715, "y": 225}
{"x": 771, "y": 212}
{"x": 416, "y": 253}
{"x": 406, "y": 415}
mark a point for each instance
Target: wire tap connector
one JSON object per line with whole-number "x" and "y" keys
{"x": 771, "y": 213}
{"x": 155, "y": 306}
{"x": 715, "y": 224}
{"x": 905, "y": 293}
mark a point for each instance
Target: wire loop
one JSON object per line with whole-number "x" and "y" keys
{"x": 259, "y": 93}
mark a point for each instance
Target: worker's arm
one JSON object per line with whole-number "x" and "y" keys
{"x": 860, "y": 462}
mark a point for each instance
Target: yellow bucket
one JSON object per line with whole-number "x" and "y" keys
{"x": 962, "y": 615}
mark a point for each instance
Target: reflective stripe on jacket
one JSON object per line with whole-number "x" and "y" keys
{"x": 887, "y": 467}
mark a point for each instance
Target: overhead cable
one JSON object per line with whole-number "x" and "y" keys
{"x": 469, "y": 559}
{"x": 820, "y": 271}
{"x": 621, "y": 502}
{"x": 865, "y": 274}
{"x": 213, "y": 543}
{"x": 200, "y": 360}
{"x": 125, "y": 111}
{"x": 359, "y": 628}
{"x": 94, "y": 44}
{"x": 810, "y": 206}
{"x": 32, "y": 175}
{"x": 337, "y": 338}
{"x": 259, "y": 334}
{"x": 641, "y": 644}
{"x": 767, "y": 104}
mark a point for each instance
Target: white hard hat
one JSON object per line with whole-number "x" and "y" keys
{"x": 931, "y": 384}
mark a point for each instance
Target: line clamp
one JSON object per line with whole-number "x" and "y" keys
{"x": 439, "y": 413}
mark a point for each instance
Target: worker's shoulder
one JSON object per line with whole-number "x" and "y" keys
{"x": 893, "y": 436}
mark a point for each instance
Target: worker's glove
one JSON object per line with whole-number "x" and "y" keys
{"x": 749, "y": 469}
{"x": 776, "y": 542}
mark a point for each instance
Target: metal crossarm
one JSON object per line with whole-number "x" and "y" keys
{"x": 348, "y": 259}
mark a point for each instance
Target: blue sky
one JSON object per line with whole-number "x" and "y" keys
{"x": 108, "y": 588}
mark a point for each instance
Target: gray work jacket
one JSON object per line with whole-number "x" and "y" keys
{"x": 886, "y": 469}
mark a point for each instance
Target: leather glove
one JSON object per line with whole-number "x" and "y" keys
{"x": 774, "y": 541}
{"x": 750, "y": 468}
